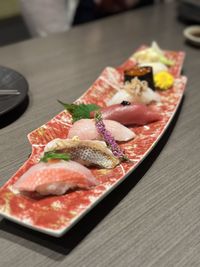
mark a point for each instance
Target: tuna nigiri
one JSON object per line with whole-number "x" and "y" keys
{"x": 87, "y": 152}
{"x": 55, "y": 178}
{"x": 85, "y": 129}
{"x": 135, "y": 91}
{"x": 129, "y": 114}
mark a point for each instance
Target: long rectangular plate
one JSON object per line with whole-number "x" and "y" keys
{"x": 55, "y": 215}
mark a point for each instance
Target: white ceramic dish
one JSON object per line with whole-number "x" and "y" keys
{"x": 192, "y": 34}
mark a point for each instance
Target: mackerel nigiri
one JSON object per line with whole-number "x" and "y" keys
{"x": 55, "y": 178}
{"x": 129, "y": 114}
{"x": 87, "y": 152}
{"x": 85, "y": 129}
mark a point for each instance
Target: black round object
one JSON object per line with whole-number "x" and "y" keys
{"x": 125, "y": 103}
{"x": 11, "y": 80}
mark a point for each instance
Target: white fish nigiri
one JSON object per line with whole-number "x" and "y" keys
{"x": 85, "y": 129}
{"x": 119, "y": 97}
{"x": 135, "y": 91}
{"x": 55, "y": 178}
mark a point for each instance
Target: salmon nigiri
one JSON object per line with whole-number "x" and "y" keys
{"x": 55, "y": 178}
{"x": 129, "y": 114}
{"x": 85, "y": 129}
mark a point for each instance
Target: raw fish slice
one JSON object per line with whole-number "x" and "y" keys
{"x": 120, "y": 96}
{"x": 139, "y": 114}
{"x": 118, "y": 131}
{"x": 55, "y": 178}
{"x": 147, "y": 97}
{"x": 86, "y": 152}
{"x": 85, "y": 129}
{"x": 135, "y": 91}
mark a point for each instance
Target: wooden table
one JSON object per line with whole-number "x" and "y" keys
{"x": 152, "y": 219}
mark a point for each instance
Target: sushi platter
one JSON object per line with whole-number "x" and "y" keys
{"x": 88, "y": 149}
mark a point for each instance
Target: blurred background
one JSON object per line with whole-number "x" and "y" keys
{"x": 13, "y": 27}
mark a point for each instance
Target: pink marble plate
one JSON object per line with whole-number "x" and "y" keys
{"x": 55, "y": 215}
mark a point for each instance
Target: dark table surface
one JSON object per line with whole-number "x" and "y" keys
{"x": 151, "y": 221}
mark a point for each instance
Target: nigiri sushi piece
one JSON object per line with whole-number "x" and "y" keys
{"x": 120, "y": 96}
{"x": 55, "y": 178}
{"x": 152, "y": 54}
{"x": 86, "y": 152}
{"x": 85, "y": 129}
{"x": 129, "y": 114}
{"x": 156, "y": 66}
{"x": 135, "y": 91}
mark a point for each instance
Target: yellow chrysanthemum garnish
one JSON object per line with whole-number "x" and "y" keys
{"x": 163, "y": 80}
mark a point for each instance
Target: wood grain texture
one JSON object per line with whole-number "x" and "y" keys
{"x": 152, "y": 219}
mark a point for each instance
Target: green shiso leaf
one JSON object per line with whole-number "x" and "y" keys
{"x": 79, "y": 111}
{"x": 54, "y": 155}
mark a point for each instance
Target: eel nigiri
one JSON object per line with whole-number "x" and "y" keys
{"x": 86, "y": 152}
{"x": 135, "y": 91}
{"x": 85, "y": 129}
{"x": 129, "y": 114}
{"x": 55, "y": 178}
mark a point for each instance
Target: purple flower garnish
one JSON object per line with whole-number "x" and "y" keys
{"x": 108, "y": 138}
